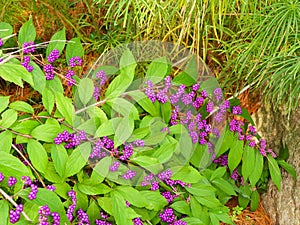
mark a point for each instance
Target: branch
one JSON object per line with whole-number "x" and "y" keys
{"x": 7, "y": 197}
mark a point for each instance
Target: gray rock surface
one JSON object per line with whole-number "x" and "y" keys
{"x": 275, "y": 126}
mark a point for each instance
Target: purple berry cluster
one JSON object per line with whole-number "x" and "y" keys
{"x": 53, "y": 56}
{"x": 167, "y": 216}
{"x": 28, "y": 47}
{"x": 71, "y": 140}
{"x": 75, "y": 61}
{"x": 129, "y": 174}
{"x": 137, "y": 221}
{"x": 14, "y": 215}
{"x": 126, "y": 152}
{"x": 49, "y": 72}
{"x": 11, "y": 181}
{"x": 71, "y": 208}
{"x": 34, "y": 190}
{"x": 115, "y": 166}
{"x": 102, "y": 222}
{"x": 102, "y": 147}
{"x": 222, "y": 160}
{"x": 101, "y": 75}
{"x": 51, "y": 187}
{"x": 45, "y": 213}
{"x": 198, "y": 128}
{"x": 69, "y": 76}
{"x": 25, "y": 63}
{"x": 82, "y": 217}
{"x": 1, "y": 177}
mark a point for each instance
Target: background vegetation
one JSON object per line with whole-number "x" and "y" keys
{"x": 244, "y": 42}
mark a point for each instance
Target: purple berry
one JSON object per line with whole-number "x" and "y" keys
{"x": 28, "y": 47}
{"x": 75, "y": 61}
{"x": 167, "y": 216}
{"x": 1, "y": 177}
{"x": 53, "y": 56}
{"x": 11, "y": 181}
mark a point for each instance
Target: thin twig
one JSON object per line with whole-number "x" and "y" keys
{"x": 7, "y": 197}
{"x": 233, "y": 96}
{"x": 95, "y": 104}
{"x": 26, "y": 160}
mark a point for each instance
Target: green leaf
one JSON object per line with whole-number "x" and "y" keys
{"x": 101, "y": 169}
{"x": 248, "y": 162}
{"x": 183, "y": 78}
{"x": 8, "y": 118}
{"x": 21, "y": 106}
{"x": 37, "y": 155}
{"x": 25, "y": 127}
{"x": 144, "y": 102}
{"x": 189, "y": 74}
{"x": 119, "y": 209}
{"x": 46, "y": 197}
{"x": 200, "y": 189}
{"x": 123, "y": 107}
{"x": 10, "y": 74}
{"x": 27, "y": 32}
{"x": 4, "y": 101}
{"x": 4, "y": 208}
{"x": 245, "y": 114}
{"x": 55, "y": 85}
{"x": 158, "y": 69}
{"x": 257, "y": 169}
{"x": 123, "y": 81}
{"x": 105, "y": 204}
{"x": 224, "y": 186}
{"x": 288, "y": 167}
{"x": 165, "y": 152}
{"x": 65, "y": 107}
{"x": 210, "y": 84}
{"x": 78, "y": 159}
{"x": 74, "y": 48}
{"x": 62, "y": 189}
{"x": 208, "y": 201}
{"x": 218, "y": 173}
{"x": 12, "y": 166}
{"x": 192, "y": 221}
{"x": 48, "y": 100}
{"x": 139, "y": 133}
{"x": 57, "y": 41}
{"x": 155, "y": 200}
{"x": 148, "y": 163}
{"x": 45, "y": 132}
{"x": 96, "y": 112}
{"x": 132, "y": 195}
{"x": 123, "y": 130}
{"x": 38, "y": 76}
{"x": 196, "y": 208}
{"x": 254, "y": 200}
{"x": 59, "y": 156}
{"x": 274, "y": 171}
{"x": 5, "y": 30}
{"x": 51, "y": 174}
{"x": 85, "y": 90}
{"x": 91, "y": 188}
{"x": 181, "y": 207}
{"x": 93, "y": 210}
{"x": 235, "y": 154}
{"x": 166, "y": 111}
{"x": 108, "y": 127}
{"x": 187, "y": 174}
{"x": 6, "y": 141}
{"x": 201, "y": 157}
